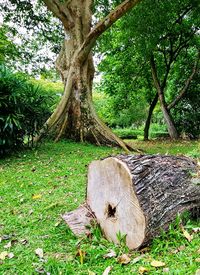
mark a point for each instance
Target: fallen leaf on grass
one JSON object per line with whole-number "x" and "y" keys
{"x": 137, "y": 259}
{"x": 197, "y": 260}
{"x": 197, "y": 272}
{"x": 124, "y": 259}
{"x": 198, "y": 251}
{"x": 36, "y": 197}
{"x": 111, "y": 254}
{"x": 145, "y": 249}
{"x": 81, "y": 254}
{"x": 3, "y": 255}
{"x": 23, "y": 241}
{"x": 196, "y": 229}
{"x": 40, "y": 270}
{"x": 8, "y": 245}
{"x": 39, "y": 252}
{"x": 6, "y": 237}
{"x": 11, "y": 255}
{"x": 33, "y": 169}
{"x": 186, "y": 234}
{"x": 181, "y": 248}
{"x": 57, "y": 223}
{"x": 155, "y": 263}
{"x": 142, "y": 270}
{"x": 30, "y": 212}
{"x": 166, "y": 269}
{"x": 107, "y": 270}
{"x": 91, "y": 272}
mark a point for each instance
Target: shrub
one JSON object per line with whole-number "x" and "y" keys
{"x": 24, "y": 107}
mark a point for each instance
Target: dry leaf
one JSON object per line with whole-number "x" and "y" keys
{"x": 33, "y": 169}
{"x": 157, "y": 263}
{"x": 198, "y": 251}
{"x": 39, "y": 252}
{"x": 91, "y": 272}
{"x": 175, "y": 251}
{"x": 111, "y": 254}
{"x": 124, "y": 259}
{"x": 36, "y": 197}
{"x": 82, "y": 255}
{"x": 196, "y": 229}
{"x": 11, "y": 255}
{"x": 30, "y": 212}
{"x": 57, "y": 223}
{"x": 107, "y": 270}
{"x": 8, "y": 245}
{"x": 181, "y": 248}
{"x": 142, "y": 270}
{"x": 166, "y": 269}
{"x": 23, "y": 241}
{"x": 145, "y": 249}
{"x": 6, "y": 237}
{"x": 137, "y": 259}
{"x": 3, "y": 255}
{"x": 186, "y": 234}
{"x": 197, "y": 260}
{"x": 197, "y": 272}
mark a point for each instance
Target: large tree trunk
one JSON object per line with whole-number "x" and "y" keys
{"x": 137, "y": 196}
{"x": 75, "y": 116}
{"x": 148, "y": 120}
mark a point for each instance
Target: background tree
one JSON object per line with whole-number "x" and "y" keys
{"x": 159, "y": 42}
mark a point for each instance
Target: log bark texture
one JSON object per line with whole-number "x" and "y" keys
{"x": 140, "y": 195}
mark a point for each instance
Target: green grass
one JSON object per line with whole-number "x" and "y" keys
{"x": 58, "y": 173}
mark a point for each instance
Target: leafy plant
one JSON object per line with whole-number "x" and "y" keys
{"x": 23, "y": 109}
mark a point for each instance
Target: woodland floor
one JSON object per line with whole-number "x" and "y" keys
{"x": 39, "y": 185}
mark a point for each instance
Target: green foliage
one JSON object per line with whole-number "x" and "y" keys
{"x": 128, "y": 133}
{"x": 24, "y": 107}
{"x": 187, "y": 112}
{"x": 36, "y": 33}
{"x": 7, "y": 49}
{"x": 52, "y": 89}
{"x": 187, "y": 115}
{"x": 117, "y": 111}
{"x": 156, "y": 131}
{"x": 127, "y": 47}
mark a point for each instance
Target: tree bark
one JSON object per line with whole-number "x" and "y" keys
{"x": 166, "y": 113}
{"x": 75, "y": 116}
{"x": 148, "y": 120}
{"x": 137, "y": 196}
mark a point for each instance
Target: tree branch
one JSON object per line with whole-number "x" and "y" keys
{"x": 155, "y": 75}
{"x": 60, "y": 10}
{"x": 103, "y": 25}
{"x": 187, "y": 83}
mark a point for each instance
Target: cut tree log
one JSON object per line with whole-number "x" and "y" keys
{"x": 137, "y": 196}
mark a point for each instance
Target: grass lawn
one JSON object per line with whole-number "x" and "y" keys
{"x": 37, "y": 186}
